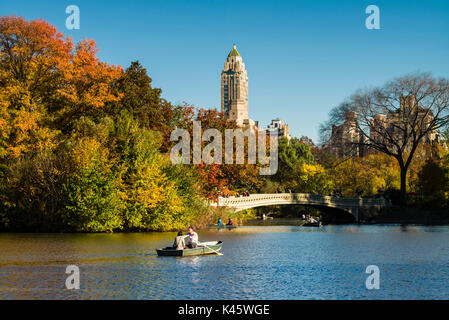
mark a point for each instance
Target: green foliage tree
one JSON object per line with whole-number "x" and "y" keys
{"x": 146, "y": 104}
{"x": 434, "y": 181}
{"x": 298, "y": 170}
{"x": 93, "y": 201}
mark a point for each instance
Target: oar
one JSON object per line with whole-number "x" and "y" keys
{"x": 218, "y": 253}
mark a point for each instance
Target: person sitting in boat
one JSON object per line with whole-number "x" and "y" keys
{"x": 220, "y": 223}
{"x": 192, "y": 238}
{"x": 230, "y": 222}
{"x": 179, "y": 243}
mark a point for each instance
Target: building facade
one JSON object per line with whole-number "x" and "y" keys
{"x": 280, "y": 127}
{"x": 234, "y": 89}
{"x": 346, "y": 139}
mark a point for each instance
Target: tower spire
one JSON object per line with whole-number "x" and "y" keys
{"x": 234, "y": 52}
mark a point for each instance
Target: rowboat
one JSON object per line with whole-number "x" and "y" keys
{"x": 310, "y": 224}
{"x": 211, "y": 247}
{"x": 222, "y": 226}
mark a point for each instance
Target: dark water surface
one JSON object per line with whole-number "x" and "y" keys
{"x": 259, "y": 262}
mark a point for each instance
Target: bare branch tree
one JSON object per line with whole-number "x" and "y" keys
{"x": 395, "y": 118}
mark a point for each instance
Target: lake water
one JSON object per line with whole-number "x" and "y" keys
{"x": 258, "y": 262}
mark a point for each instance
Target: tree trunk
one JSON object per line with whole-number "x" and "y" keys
{"x": 403, "y": 186}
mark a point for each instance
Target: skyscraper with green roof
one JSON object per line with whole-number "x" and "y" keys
{"x": 234, "y": 88}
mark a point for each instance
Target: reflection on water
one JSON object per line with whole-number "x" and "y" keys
{"x": 265, "y": 261}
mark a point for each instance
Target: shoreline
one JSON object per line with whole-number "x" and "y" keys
{"x": 376, "y": 223}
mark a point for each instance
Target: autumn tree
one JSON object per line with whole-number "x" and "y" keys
{"x": 31, "y": 57}
{"x": 370, "y": 173}
{"x": 87, "y": 86}
{"x": 47, "y": 82}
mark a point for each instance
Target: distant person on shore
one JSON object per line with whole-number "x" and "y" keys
{"x": 192, "y": 238}
{"x": 179, "y": 243}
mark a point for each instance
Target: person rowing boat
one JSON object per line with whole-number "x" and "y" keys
{"x": 192, "y": 238}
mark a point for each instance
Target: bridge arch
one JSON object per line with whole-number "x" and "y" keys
{"x": 349, "y": 205}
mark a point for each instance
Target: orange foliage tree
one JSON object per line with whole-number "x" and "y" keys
{"x": 46, "y": 83}
{"x": 223, "y": 178}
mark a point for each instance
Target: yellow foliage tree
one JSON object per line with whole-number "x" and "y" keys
{"x": 370, "y": 173}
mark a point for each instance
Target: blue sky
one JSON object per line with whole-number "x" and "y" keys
{"x": 303, "y": 57}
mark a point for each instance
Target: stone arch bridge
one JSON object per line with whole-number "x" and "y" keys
{"x": 350, "y": 205}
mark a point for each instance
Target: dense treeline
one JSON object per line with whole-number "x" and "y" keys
{"x": 84, "y": 145}
{"x": 81, "y": 142}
